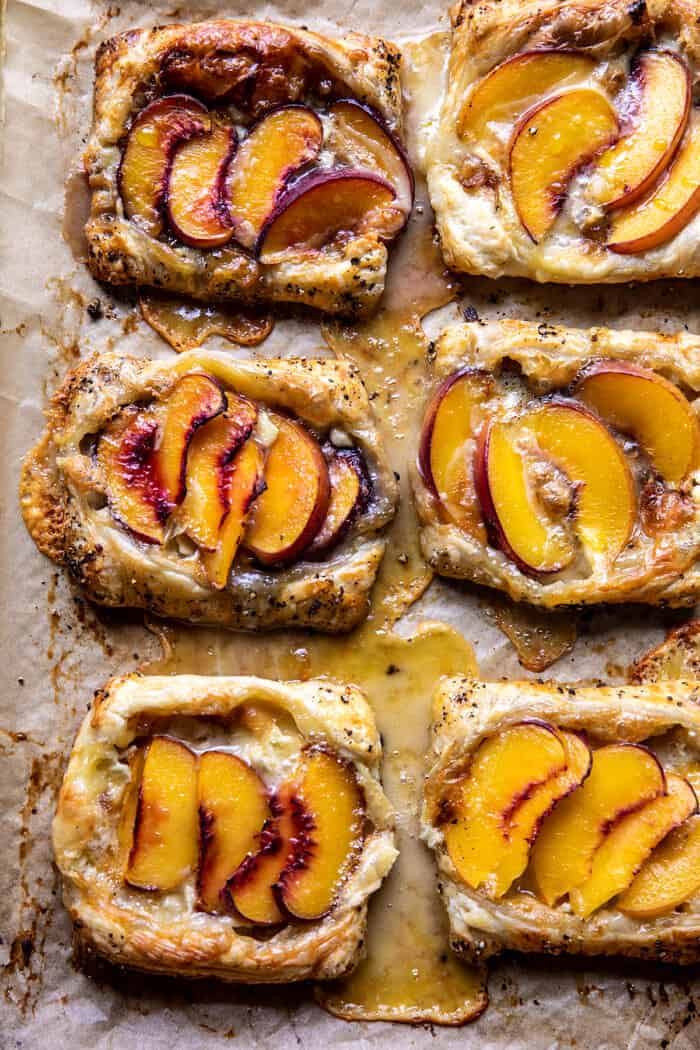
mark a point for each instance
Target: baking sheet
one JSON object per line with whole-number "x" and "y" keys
{"x": 56, "y": 650}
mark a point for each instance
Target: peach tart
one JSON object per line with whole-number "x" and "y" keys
{"x": 565, "y": 819}
{"x": 567, "y": 148}
{"x": 239, "y": 493}
{"x": 224, "y": 827}
{"x": 246, "y": 160}
{"x": 561, "y": 465}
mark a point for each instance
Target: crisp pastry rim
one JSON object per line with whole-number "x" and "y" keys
{"x": 464, "y": 711}
{"x": 348, "y": 282}
{"x": 479, "y": 229}
{"x": 331, "y": 595}
{"x": 550, "y": 356}
{"x": 86, "y": 819}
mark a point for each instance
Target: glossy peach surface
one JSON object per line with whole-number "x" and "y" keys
{"x": 196, "y": 206}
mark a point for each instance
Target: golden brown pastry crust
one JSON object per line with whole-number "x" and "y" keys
{"x": 464, "y": 712}
{"x": 59, "y": 481}
{"x": 134, "y": 66}
{"x": 162, "y": 932}
{"x": 479, "y": 227}
{"x": 661, "y": 572}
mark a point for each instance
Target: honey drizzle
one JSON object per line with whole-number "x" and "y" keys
{"x": 186, "y": 324}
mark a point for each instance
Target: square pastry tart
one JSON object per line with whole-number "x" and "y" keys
{"x": 246, "y": 160}
{"x": 561, "y": 465}
{"x": 224, "y": 827}
{"x": 565, "y": 819}
{"x": 246, "y": 494}
{"x": 567, "y": 147}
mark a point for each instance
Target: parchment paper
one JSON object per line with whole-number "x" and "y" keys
{"x": 55, "y": 650}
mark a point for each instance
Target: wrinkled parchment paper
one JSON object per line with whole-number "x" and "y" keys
{"x": 55, "y": 650}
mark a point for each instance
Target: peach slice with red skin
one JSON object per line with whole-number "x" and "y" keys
{"x": 624, "y": 850}
{"x": 165, "y": 843}
{"x": 450, "y": 428}
{"x": 656, "y": 218}
{"x": 503, "y": 773}
{"x": 154, "y": 136}
{"x": 329, "y": 815}
{"x": 244, "y": 486}
{"x": 563, "y": 436}
{"x": 623, "y": 778}
{"x": 125, "y": 451}
{"x": 250, "y": 890}
{"x": 196, "y": 207}
{"x": 551, "y": 143}
{"x": 289, "y": 513}
{"x": 515, "y": 85}
{"x": 325, "y": 205}
{"x": 658, "y": 93}
{"x": 194, "y": 400}
{"x": 644, "y": 405}
{"x": 233, "y": 807}
{"x": 527, "y": 819}
{"x": 350, "y": 490}
{"x": 210, "y": 469}
{"x": 359, "y": 137}
{"x": 278, "y": 146}
{"x": 669, "y": 877}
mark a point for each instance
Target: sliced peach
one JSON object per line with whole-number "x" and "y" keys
{"x": 193, "y": 401}
{"x": 649, "y": 408}
{"x": 515, "y": 85}
{"x": 210, "y": 470}
{"x": 324, "y": 205}
{"x": 233, "y": 807}
{"x": 506, "y": 768}
{"x": 359, "y": 137}
{"x": 244, "y": 486}
{"x": 279, "y": 145}
{"x": 129, "y": 808}
{"x": 154, "y": 136}
{"x": 550, "y": 145}
{"x": 166, "y": 840}
{"x": 125, "y": 452}
{"x": 329, "y": 817}
{"x": 527, "y": 819}
{"x": 623, "y": 778}
{"x": 656, "y": 218}
{"x": 450, "y": 427}
{"x": 625, "y": 849}
{"x": 669, "y": 877}
{"x": 349, "y": 495}
{"x": 658, "y": 101}
{"x": 251, "y": 888}
{"x": 516, "y": 476}
{"x": 291, "y": 510}
{"x": 196, "y": 207}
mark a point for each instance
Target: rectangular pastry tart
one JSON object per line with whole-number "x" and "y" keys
{"x": 224, "y": 827}
{"x": 560, "y": 465}
{"x": 239, "y": 493}
{"x": 565, "y": 819}
{"x": 567, "y": 148}
{"x": 246, "y": 160}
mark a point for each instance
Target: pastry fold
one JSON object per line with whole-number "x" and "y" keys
{"x": 164, "y": 932}
{"x": 63, "y": 495}
{"x": 665, "y": 717}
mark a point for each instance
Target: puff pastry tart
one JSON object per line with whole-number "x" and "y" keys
{"x": 244, "y": 494}
{"x": 246, "y": 160}
{"x": 567, "y": 148}
{"x": 561, "y": 465}
{"x": 224, "y": 827}
{"x": 565, "y": 819}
